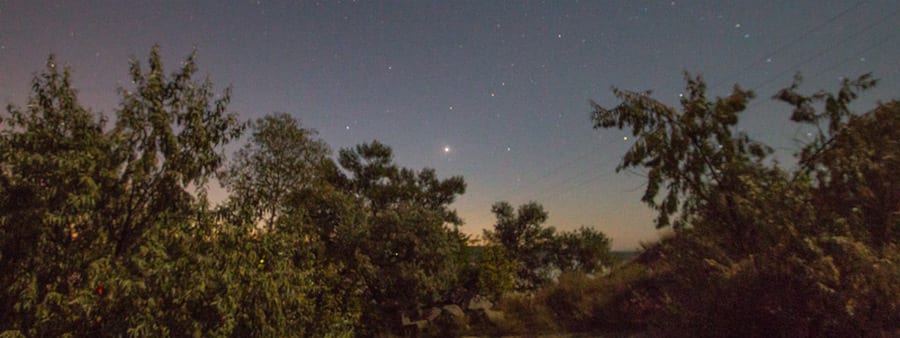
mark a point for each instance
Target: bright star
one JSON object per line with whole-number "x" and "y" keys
{"x": 446, "y": 149}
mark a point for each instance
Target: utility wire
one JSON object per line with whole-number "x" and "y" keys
{"x": 835, "y": 65}
{"x": 750, "y": 66}
{"x": 864, "y": 51}
{"x": 784, "y": 46}
{"x": 554, "y": 192}
{"x": 826, "y": 49}
{"x": 551, "y": 172}
{"x": 778, "y": 50}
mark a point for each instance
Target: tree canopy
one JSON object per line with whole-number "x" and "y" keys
{"x": 538, "y": 252}
{"x": 763, "y": 250}
{"x": 106, "y": 227}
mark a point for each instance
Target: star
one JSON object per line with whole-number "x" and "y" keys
{"x": 446, "y": 149}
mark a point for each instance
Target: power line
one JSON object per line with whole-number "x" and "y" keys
{"x": 846, "y": 59}
{"x": 778, "y": 50}
{"x": 580, "y": 184}
{"x": 835, "y": 65}
{"x": 554, "y": 192}
{"x": 544, "y": 175}
{"x": 552, "y": 171}
{"x": 870, "y": 47}
{"x": 826, "y": 49}
{"x": 793, "y": 42}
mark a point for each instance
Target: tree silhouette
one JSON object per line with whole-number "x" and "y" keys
{"x": 809, "y": 251}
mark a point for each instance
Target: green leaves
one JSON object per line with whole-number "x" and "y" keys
{"x": 776, "y": 252}
{"x": 686, "y": 153}
{"x": 409, "y": 247}
{"x": 110, "y": 230}
{"x": 538, "y": 252}
{"x": 280, "y": 160}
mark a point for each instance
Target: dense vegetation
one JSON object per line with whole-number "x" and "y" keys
{"x": 106, "y": 228}
{"x": 757, "y": 250}
{"x": 761, "y": 250}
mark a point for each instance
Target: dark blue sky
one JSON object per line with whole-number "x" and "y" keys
{"x": 503, "y": 85}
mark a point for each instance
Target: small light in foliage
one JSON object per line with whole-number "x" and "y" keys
{"x": 100, "y": 290}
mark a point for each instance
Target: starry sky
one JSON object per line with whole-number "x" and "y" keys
{"x": 495, "y": 91}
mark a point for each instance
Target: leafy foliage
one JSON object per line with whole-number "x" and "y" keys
{"x": 108, "y": 230}
{"x": 538, "y": 252}
{"x": 525, "y": 240}
{"x": 777, "y": 252}
{"x": 54, "y": 163}
{"x": 585, "y": 250}
{"x": 408, "y": 256}
{"x": 496, "y": 272}
{"x": 686, "y": 153}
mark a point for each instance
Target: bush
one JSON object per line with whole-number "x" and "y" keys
{"x": 823, "y": 286}
{"x": 760, "y": 250}
{"x": 579, "y": 302}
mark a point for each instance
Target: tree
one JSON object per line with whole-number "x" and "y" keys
{"x": 538, "y": 252}
{"x": 585, "y": 250}
{"x": 776, "y": 252}
{"x": 496, "y": 272}
{"x": 280, "y": 180}
{"x": 55, "y": 164}
{"x": 409, "y": 255}
{"x": 109, "y": 230}
{"x": 852, "y": 161}
{"x": 691, "y": 151}
{"x": 280, "y": 159}
{"x": 172, "y": 131}
{"x": 525, "y": 240}
{"x": 170, "y": 134}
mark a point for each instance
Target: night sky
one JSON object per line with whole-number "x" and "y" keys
{"x": 496, "y": 91}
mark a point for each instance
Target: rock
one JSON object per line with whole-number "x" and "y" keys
{"x": 419, "y": 324}
{"x": 479, "y": 303}
{"x": 431, "y": 314}
{"x": 495, "y": 317}
{"x": 454, "y": 310}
